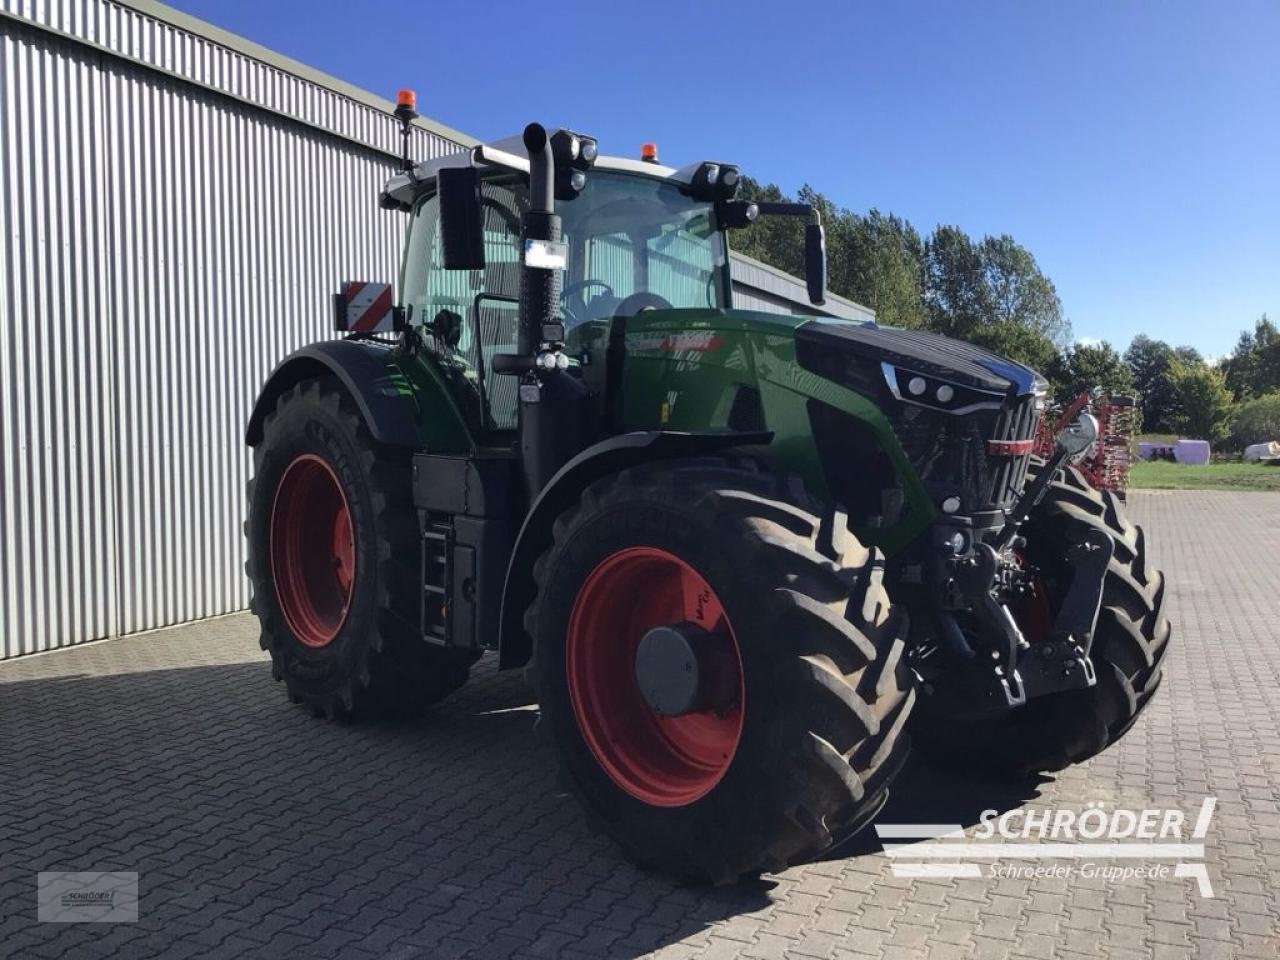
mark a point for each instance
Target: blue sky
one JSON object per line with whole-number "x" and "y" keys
{"x": 1134, "y": 148}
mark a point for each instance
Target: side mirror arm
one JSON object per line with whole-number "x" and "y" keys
{"x": 815, "y": 244}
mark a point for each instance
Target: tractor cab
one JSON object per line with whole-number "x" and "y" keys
{"x": 635, "y": 236}
{"x": 631, "y": 243}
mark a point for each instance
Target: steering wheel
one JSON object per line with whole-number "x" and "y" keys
{"x": 644, "y": 300}
{"x": 575, "y": 290}
{"x": 581, "y": 285}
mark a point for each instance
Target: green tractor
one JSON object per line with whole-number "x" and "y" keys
{"x": 741, "y": 555}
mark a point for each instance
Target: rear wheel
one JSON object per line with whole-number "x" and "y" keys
{"x": 1129, "y": 646}
{"x": 723, "y": 677}
{"x": 333, "y": 560}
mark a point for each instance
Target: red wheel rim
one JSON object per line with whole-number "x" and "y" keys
{"x": 313, "y": 551}
{"x": 660, "y": 760}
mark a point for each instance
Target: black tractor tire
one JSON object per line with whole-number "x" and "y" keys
{"x": 377, "y": 663}
{"x": 1129, "y": 646}
{"x": 825, "y": 688}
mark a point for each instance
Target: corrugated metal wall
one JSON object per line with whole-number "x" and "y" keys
{"x": 176, "y": 205}
{"x": 164, "y": 244}
{"x": 758, "y": 286}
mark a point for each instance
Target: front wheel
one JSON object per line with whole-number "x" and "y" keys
{"x": 1129, "y": 646}
{"x": 725, "y": 684}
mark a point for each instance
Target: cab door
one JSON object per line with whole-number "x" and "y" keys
{"x": 469, "y": 316}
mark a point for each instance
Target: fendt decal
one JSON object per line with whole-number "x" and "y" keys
{"x": 698, "y": 341}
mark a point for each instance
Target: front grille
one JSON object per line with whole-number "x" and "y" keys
{"x": 947, "y": 451}
{"x": 1009, "y": 473}
{"x": 951, "y": 456}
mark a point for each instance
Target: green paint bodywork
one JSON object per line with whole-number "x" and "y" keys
{"x": 683, "y": 369}
{"x": 682, "y": 372}
{"x": 445, "y": 404}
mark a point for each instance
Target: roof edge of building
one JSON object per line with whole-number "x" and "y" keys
{"x": 784, "y": 276}
{"x": 256, "y": 51}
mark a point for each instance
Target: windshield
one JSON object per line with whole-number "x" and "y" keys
{"x": 635, "y": 243}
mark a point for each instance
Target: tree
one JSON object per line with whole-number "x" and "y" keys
{"x": 1085, "y": 366}
{"x": 969, "y": 287}
{"x": 991, "y": 292}
{"x": 1018, "y": 292}
{"x": 1020, "y": 343}
{"x": 777, "y": 241}
{"x": 1188, "y": 355}
{"x": 1204, "y": 403}
{"x": 1149, "y": 361}
{"x": 883, "y": 261}
{"x": 1254, "y": 366}
{"x": 956, "y": 295}
{"x": 1257, "y": 420}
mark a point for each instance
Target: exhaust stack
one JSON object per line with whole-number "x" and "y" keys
{"x": 541, "y": 256}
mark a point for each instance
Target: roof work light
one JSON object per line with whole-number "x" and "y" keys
{"x": 406, "y": 111}
{"x": 575, "y": 153}
{"x": 715, "y": 181}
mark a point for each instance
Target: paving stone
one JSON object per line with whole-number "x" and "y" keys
{"x": 260, "y": 831}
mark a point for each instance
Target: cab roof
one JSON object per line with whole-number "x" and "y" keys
{"x": 509, "y": 154}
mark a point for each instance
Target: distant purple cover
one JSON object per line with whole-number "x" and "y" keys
{"x": 1195, "y": 452}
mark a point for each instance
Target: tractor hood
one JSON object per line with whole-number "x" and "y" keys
{"x": 820, "y": 342}
{"x": 834, "y": 348}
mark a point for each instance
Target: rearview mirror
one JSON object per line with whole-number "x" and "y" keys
{"x": 815, "y": 263}
{"x": 461, "y": 218}
{"x": 1079, "y": 436}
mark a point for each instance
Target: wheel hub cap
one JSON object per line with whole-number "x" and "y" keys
{"x": 683, "y": 668}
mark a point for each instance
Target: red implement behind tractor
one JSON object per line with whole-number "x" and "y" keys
{"x": 1107, "y": 466}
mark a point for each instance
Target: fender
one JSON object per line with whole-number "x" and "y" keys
{"x": 608, "y": 456}
{"x": 362, "y": 368}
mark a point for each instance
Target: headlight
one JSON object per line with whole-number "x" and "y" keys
{"x": 924, "y": 390}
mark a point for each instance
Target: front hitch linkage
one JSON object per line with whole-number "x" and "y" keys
{"x": 1061, "y": 662}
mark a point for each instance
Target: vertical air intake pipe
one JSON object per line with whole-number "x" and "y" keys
{"x": 553, "y": 405}
{"x": 539, "y": 286}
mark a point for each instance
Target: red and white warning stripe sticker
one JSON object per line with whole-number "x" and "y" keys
{"x": 366, "y": 307}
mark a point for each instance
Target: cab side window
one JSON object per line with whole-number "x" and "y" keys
{"x": 427, "y": 289}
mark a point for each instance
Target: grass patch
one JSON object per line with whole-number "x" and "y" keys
{"x": 1163, "y": 475}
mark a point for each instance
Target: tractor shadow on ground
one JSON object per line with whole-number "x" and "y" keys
{"x": 290, "y": 835}
{"x": 926, "y": 792}
{"x": 260, "y": 830}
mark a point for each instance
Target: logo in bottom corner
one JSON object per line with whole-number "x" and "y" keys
{"x": 1113, "y": 845}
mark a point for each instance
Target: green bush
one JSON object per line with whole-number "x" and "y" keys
{"x": 1257, "y": 421}
{"x": 1204, "y": 404}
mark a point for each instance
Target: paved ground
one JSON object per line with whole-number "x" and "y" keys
{"x": 259, "y": 831}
